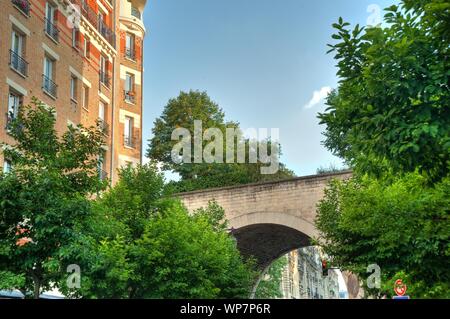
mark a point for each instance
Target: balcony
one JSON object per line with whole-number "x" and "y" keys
{"x": 49, "y": 86}
{"x": 105, "y": 79}
{"x": 103, "y": 126}
{"x": 17, "y": 63}
{"x": 102, "y": 175}
{"x": 9, "y": 119}
{"x": 130, "y": 96}
{"x": 51, "y": 30}
{"x": 92, "y": 17}
{"x": 23, "y": 6}
{"x": 106, "y": 32}
{"x": 130, "y": 54}
{"x": 129, "y": 141}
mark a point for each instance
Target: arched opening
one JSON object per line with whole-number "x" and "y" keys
{"x": 267, "y": 242}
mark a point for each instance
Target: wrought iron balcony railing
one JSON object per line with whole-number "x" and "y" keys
{"x": 49, "y": 86}
{"x": 103, "y": 126}
{"x": 130, "y": 96}
{"x": 102, "y": 175}
{"x": 129, "y": 141}
{"x": 105, "y": 79}
{"x": 9, "y": 119}
{"x": 130, "y": 54}
{"x": 51, "y": 30}
{"x": 18, "y": 63}
{"x": 22, "y": 5}
{"x": 96, "y": 21}
{"x": 105, "y": 31}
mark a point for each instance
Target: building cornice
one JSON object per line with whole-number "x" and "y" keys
{"x": 134, "y": 21}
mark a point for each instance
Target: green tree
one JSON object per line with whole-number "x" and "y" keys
{"x": 399, "y": 223}
{"x": 391, "y": 109}
{"x": 270, "y": 284}
{"x": 181, "y": 256}
{"x": 140, "y": 244}
{"x": 389, "y": 119}
{"x": 44, "y": 196}
{"x": 181, "y": 112}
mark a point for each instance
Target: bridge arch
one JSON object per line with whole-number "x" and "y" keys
{"x": 266, "y": 236}
{"x": 268, "y": 219}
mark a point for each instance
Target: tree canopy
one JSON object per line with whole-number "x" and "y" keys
{"x": 182, "y": 112}
{"x": 44, "y": 196}
{"x": 391, "y": 108}
{"x": 140, "y": 244}
{"x": 399, "y": 223}
{"x": 389, "y": 119}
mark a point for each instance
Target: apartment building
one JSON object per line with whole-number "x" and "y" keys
{"x": 81, "y": 57}
{"x": 302, "y": 277}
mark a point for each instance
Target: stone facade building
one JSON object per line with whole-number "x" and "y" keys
{"x": 84, "y": 59}
{"x": 302, "y": 277}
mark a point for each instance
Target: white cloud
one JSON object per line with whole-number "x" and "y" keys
{"x": 318, "y": 96}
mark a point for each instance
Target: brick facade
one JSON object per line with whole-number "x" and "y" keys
{"x": 95, "y": 56}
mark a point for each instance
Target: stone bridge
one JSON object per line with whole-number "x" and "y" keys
{"x": 268, "y": 219}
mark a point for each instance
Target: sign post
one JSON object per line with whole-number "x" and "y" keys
{"x": 400, "y": 289}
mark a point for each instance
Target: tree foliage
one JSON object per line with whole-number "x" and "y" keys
{"x": 140, "y": 244}
{"x": 389, "y": 119}
{"x": 270, "y": 285}
{"x": 397, "y": 222}
{"x": 44, "y": 196}
{"x": 181, "y": 112}
{"x": 391, "y": 108}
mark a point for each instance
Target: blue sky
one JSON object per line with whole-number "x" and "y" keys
{"x": 260, "y": 60}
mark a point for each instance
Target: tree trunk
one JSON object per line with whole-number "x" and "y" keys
{"x": 37, "y": 288}
{"x": 37, "y": 285}
{"x": 258, "y": 280}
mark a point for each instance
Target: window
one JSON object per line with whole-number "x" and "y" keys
{"x": 129, "y": 88}
{"x": 102, "y": 64}
{"x": 101, "y": 117}
{"x": 50, "y": 21}
{"x": 85, "y": 97}
{"x": 6, "y": 167}
{"x": 128, "y": 131}
{"x": 129, "y": 82}
{"x": 129, "y": 46}
{"x": 48, "y": 67}
{"x": 49, "y": 86}
{"x": 22, "y": 5}
{"x": 75, "y": 38}
{"x": 17, "y": 62}
{"x": 101, "y": 173}
{"x": 84, "y": 5}
{"x": 104, "y": 78}
{"x": 73, "y": 87}
{"x": 102, "y": 16}
{"x": 14, "y": 102}
{"x": 101, "y": 111}
{"x": 135, "y": 12}
{"x": 87, "y": 47}
{"x": 17, "y": 43}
